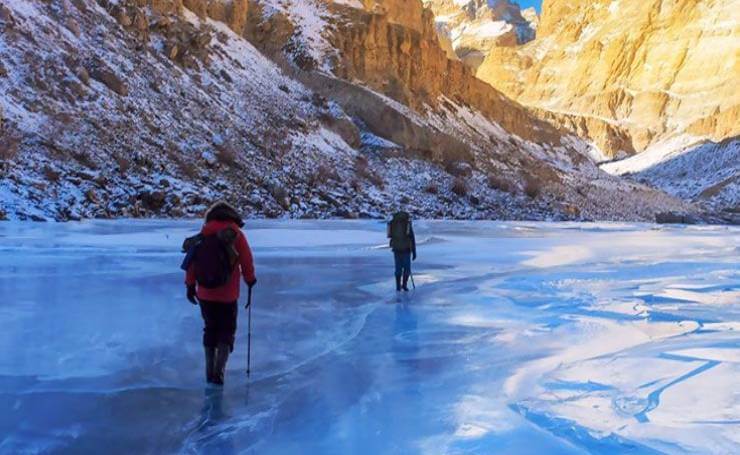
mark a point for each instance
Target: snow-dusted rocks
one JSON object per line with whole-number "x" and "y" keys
{"x": 188, "y": 110}
{"x": 691, "y": 168}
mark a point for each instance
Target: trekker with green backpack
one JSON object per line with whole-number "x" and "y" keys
{"x": 403, "y": 243}
{"x": 214, "y": 260}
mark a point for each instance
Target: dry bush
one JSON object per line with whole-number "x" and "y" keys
{"x": 322, "y": 175}
{"x": 9, "y": 143}
{"x": 50, "y": 174}
{"x": 499, "y": 183}
{"x": 362, "y": 169}
{"x": 226, "y": 155}
{"x": 459, "y": 187}
{"x": 187, "y": 167}
{"x": 376, "y": 180}
{"x": 8, "y": 146}
{"x": 532, "y": 187}
{"x": 84, "y": 159}
{"x": 281, "y": 195}
{"x": 361, "y": 163}
{"x": 124, "y": 164}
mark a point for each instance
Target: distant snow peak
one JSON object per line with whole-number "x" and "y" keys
{"x": 530, "y": 14}
{"x": 477, "y": 26}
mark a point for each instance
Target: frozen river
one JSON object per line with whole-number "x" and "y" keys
{"x": 519, "y": 338}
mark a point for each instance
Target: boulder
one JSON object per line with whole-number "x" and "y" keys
{"x": 82, "y": 75}
{"x": 345, "y": 128}
{"x": 171, "y": 50}
{"x": 107, "y": 77}
{"x": 6, "y": 16}
{"x": 73, "y": 26}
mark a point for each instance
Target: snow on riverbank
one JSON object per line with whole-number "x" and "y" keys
{"x": 688, "y": 167}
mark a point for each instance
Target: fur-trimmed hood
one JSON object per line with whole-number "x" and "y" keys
{"x": 222, "y": 211}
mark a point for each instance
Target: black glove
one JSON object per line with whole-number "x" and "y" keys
{"x": 251, "y": 284}
{"x": 191, "y": 294}
{"x": 413, "y": 257}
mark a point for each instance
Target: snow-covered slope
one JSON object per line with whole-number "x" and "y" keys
{"x": 110, "y": 120}
{"x": 112, "y": 109}
{"x": 691, "y": 168}
{"x": 391, "y": 50}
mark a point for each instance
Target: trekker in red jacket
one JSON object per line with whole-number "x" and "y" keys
{"x": 218, "y": 305}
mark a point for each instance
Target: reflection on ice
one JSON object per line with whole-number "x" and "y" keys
{"x": 520, "y": 338}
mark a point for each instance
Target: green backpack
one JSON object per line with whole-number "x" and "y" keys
{"x": 399, "y": 231}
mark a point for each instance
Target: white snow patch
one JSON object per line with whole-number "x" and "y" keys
{"x": 653, "y": 155}
{"x": 310, "y": 18}
{"x": 351, "y": 3}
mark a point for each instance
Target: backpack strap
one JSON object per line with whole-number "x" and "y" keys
{"x": 228, "y": 238}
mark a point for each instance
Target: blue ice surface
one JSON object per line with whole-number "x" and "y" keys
{"x": 101, "y": 352}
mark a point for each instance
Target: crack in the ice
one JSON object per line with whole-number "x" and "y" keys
{"x": 653, "y": 399}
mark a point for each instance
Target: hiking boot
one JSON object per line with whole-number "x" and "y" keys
{"x": 219, "y": 367}
{"x": 405, "y": 286}
{"x": 398, "y": 284}
{"x": 210, "y": 360}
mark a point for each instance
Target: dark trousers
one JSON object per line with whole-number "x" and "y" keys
{"x": 220, "y": 323}
{"x": 403, "y": 262}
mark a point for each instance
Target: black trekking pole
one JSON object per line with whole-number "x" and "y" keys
{"x": 411, "y": 275}
{"x": 249, "y": 329}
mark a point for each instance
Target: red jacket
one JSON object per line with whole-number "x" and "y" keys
{"x": 230, "y": 291}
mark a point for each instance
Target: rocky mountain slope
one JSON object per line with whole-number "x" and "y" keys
{"x": 629, "y": 74}
{"x": 630, "y": 77}
{"x": 288, "y": 108}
